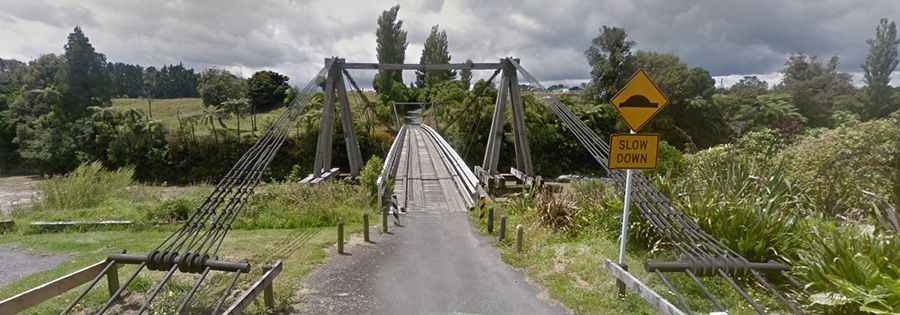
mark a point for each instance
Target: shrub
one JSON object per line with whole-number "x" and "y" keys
{"x": 556, "y": 211}
{"x": 86, "y": 186}
{"x": 294, "y": 205}
{"x": 852, "y": 270}
{"x": 835, "y": 167}
{"x": 172, "y": 210}
{"x": 742, "y": 199}
{"x": 369, "y": 175}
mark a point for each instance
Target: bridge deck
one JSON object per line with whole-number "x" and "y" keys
{"x": 423, "y": 181}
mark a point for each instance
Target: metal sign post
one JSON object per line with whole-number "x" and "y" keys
{"x": 637, "y": 102}
{"x": 623, "y": 237}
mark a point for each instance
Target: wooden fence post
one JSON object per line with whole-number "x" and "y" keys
{"x": 112, "y": 279}
{"x": 490, "y": 221}
{"x": 268, "y": 292}
{"x": 502, "y": 233}
{"x": 366, "y": 227}
{"x": 520, "y": 235}
{"x": 340, "y": 231}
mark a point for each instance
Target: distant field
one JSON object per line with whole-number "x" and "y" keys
{"x": 168, "y": 111}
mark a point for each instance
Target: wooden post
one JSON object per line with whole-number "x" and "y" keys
{"x": 490, "y": 221}
{"x": 384, "y": 219}
{"x": 495, "y": 136}
{"x": 523, "y": 152}
{"x": 656, "y": 301}
{"x": 520, "y": 235}
{"x": 340, "y": 231}
{"x": 619, "y": 284}
{"x": 268, "y": 294}
{"x": 350, "y": 142}
{"x": 502, "y": 235}
{"x": 366, "y": 227}
{"x": 112, "y": 279}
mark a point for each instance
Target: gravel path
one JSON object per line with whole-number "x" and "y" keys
{"x": 16, "y": 192}
{"x": 16, "y": 263}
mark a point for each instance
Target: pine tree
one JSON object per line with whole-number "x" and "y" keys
{"x": 391, "y": 48}
{"x": 880, "y": 63}
{"x": 436, "y": 51}
{"x": 85, "y": 80}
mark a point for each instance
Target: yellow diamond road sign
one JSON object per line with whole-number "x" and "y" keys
{"x": 639, "y": 101}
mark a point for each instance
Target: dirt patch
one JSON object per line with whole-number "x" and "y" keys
{"x": 17, "y": 192}
{"x": 16, "y": 263}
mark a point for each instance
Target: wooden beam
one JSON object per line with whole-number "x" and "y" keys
{"x": 350, "y": 142}
{"x": 661, "y": 304}
{"x": 51, "y": 289}
{"x": 263, "y": 284}
{"x": 415, "y": 66}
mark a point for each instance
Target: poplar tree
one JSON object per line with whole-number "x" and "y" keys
{"x": 436, "y": 51}
{"x": 465, "y": 75}
{"x": 390, "y": 48}
{"x": 85, "y": 80}
{"x": 880, "y": 63}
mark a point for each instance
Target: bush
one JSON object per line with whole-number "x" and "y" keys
{"x": 852, "y": 269}
{"x": 86, "y": 186}
{"x": 742, "y": 198}
{"x": 294, "y": 205}
{"x": 172, "y": 210}
{"x": 834, "y": 167}
{"x": 369, "y": 175}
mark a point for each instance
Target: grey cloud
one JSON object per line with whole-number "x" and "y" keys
{"x": 725, "y": 37}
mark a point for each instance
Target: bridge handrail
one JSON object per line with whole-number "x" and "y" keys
{"x": 469, "y": 180}
{"x": 390, "y": 164}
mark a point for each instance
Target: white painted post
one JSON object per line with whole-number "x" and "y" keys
{"x": 623, "y": 237}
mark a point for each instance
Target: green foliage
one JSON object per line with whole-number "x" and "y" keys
{"x": 880, "y": 63}
{"x": 266, "y": 90}
{"x": 669, "y": 161}
{"x": 172, "y": 210}
{"x": 171, "y": 81}
{"x": 369, "y": 175}
{"x": 390, "y": 48}
{"x": 127, "y": 138}
{"x": 749, "y": 86}
{"x": 852, "y": 269}
{"x": 609, "y": 57}
{"x": 127, "y": 80}
{"x": 436, "y": 51}
{"x": 217, "y": 86}
{"x": 294, "y": 205}
{"x": 86, "y": 186}
{"x": 836, "y": 166}
{"x": 814, "y": 86}
{"x": 742, "y": 199}
{"x": 84, "y": 80}
{"x": 465, "y": 76}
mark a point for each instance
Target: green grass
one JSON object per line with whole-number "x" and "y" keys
{"x": 571, "y": 265}
{"x": 303, "y": 216}
{"x": 169, "y": 111}
{"x": 300, "y": 249}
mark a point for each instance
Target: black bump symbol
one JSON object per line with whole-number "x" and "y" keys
{"x": 638, "y": 101}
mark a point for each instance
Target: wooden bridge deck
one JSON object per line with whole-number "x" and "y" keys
{"x": 423, "y": 181}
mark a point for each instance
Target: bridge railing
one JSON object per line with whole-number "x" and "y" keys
{"x": 390, "y": 165}
{"x": 465, "y": 178}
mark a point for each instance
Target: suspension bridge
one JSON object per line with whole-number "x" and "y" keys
{"x": 435, "y": 184}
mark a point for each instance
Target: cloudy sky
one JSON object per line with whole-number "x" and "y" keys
{"x": 730, "y": 38}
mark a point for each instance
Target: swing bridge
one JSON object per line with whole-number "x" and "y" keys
{"x": 425, "y": 172}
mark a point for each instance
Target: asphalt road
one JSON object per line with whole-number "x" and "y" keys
{"x": 435, "y": 264}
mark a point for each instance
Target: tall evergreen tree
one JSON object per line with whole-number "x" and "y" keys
{"x": 611, "y": 64}
{"x": 465, "y": 75}
{"x": 85, "y": 80}
{"x": 390, "y": 48}
{"x": 880, "y": 63}
{"x": 436, "y": 51}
